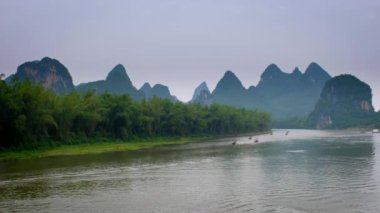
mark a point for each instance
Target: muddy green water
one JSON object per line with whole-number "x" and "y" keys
{"x": 305, "y": 171}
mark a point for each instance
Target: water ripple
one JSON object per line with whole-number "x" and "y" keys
{"x": 307, "y": 171}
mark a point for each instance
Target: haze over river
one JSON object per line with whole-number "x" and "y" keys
{"x": 305, "y": 171}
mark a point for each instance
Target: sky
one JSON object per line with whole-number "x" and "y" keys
{"x": 181, "y": 43}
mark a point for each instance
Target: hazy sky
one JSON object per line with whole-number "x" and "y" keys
{"x": 182, "y": 43}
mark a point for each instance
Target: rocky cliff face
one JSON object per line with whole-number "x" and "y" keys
{"x": 345, "y": 101}
{"x": 49, "y": 72}
{"x": 202, "y": 95}
{"x": 116, "y": 82}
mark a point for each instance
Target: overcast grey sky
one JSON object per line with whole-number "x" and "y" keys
{"x": 181, "y": 43}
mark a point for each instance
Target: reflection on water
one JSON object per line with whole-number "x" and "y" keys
{"x": 305, "y": 171}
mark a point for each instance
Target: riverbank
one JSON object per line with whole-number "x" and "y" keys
{"x": 103, "y": 146}
{"x": 95, "y": 147}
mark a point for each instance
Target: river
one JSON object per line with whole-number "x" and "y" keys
{"x": 304, "y": 171}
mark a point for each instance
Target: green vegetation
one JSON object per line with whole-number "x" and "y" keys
{"x": 93, "y": 147}
{"x": 290, "y": 123}
{"x": 32, "y": 117}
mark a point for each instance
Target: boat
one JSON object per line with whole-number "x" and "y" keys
{"x": 375, "y": 131}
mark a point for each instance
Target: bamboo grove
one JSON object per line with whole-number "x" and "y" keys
{"x": 31, "y": 115}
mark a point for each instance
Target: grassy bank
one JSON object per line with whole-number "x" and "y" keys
{"x": 93, "y": 148}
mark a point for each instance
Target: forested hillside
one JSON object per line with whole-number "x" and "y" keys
{"x": 31, "y": 116}
{"x": 345, "y": 102}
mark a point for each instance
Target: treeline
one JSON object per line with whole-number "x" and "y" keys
{"x": 291, "y": 123}
{"x": 31, "y": 115}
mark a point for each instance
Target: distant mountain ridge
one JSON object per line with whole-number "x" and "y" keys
{"x": 53, "y": 75}
{"x": 281, "y": 94}
{"x": 202, "y": 95}
{"x": 230, "y": 91}
{"x": 289, "y": 94}
{"x": 157, "y": 90}
{"x": 116, "y": 82}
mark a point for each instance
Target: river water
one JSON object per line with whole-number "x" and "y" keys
{"x": 304, "y": 171}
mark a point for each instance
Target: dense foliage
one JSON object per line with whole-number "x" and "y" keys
{"x": 30, "y": 115}
{"x": 290, "y": 123}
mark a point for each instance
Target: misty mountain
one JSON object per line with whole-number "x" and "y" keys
{"x": 53, "y": 75}
{"x": 116, "y": 82}
{"x": 230, "y": 91}
{"x": 48, "y": 72}
{"x": 158, "y": 90}
{"x": 202, "y": 95}
{"x": 281, "y": 94}
{"x": 289, "y": 94}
